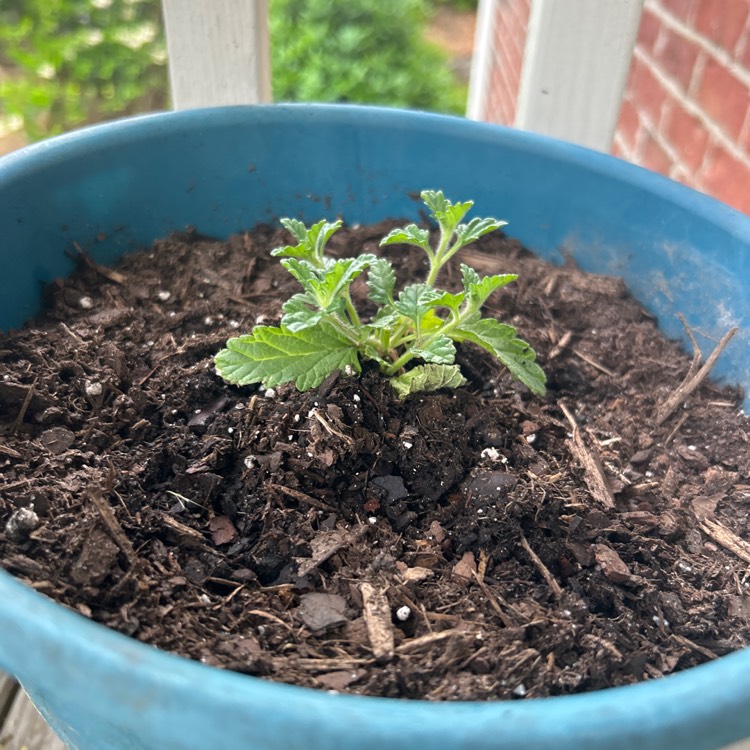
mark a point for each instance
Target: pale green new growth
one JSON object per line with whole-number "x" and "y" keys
{"x": 321, "y": 330}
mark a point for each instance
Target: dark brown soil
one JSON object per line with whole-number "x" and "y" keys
{"x": 454, "y": 546}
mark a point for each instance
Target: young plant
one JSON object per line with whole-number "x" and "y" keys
{"x": 321, "y": 330}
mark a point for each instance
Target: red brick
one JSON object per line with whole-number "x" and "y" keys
{"x": 727, "y": 178}
{"x": 687, "y": 136}
{"x": 618, "y": 151}
{"x": 682, "y": 9}
{"x": 676, "y": 55}
{"x": 648, "y": 31}
{"x": 645, "y": 91}
{"x": 524, "y": 11}
{"x": 722, "y": 21}
{"x": 743, "y": 49}
{"x": 723, "y": 97}
{"x": 654, "y": 157}
{"x": 745, "y": 139}
{"x": 628, "y": 124}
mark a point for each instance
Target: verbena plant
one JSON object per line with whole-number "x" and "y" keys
{"x": 321, "y": 330}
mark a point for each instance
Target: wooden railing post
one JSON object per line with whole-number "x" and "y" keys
{"x": 218, "y": 52}
{"x": 576, "y": 63}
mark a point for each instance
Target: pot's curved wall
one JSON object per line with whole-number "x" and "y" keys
{"x": 122, "y": 185}
{"x": 119, "y": 186}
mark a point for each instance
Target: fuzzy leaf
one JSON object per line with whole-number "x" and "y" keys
{"x": 302, "y": 270}
{"x": 451, "y": 301}
{"x": 446, "y": 213}
{"x": 273, "y": 356}
{"x": 294, "y": 227}
{"x": 440, "y": 350}
{"x": 480, "y": 288}
{"x": 311, "y": 243}
{"x": 409, "y": 235}
{"x": 384, "y": 318}
{"x": 415, "y": 300}
{"x": 435, "y": 200}
{"x": 476, "y": 228}
{"x": 381, "y": 278}
{"x": 330, "y": 284}
{"x": 429, "y": 377}
{"x": 469, "y": 276}
{"x": 500, "y": 340}
{"x": 300, "y": 312}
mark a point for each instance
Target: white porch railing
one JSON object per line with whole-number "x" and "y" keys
{"x": 576, "y": 61}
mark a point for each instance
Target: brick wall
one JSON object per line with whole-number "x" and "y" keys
{"x": 510, "y": 20}
{"x": 686, "y": 109}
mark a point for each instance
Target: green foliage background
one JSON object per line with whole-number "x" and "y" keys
{"x": 69, "y": 62}
{"x": 65, "y": 63}
{"x": 359, "y": 51}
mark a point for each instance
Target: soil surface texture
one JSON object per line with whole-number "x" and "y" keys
{"x": 480, "y": 544}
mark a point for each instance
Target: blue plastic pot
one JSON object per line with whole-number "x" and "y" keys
{"x": 227, "y": 169}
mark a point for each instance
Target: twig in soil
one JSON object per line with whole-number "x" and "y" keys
{"x": 14, "y": 485}
{"x": 326, "y": 544}
{"x": 726, "y": 538}
{"x": 493, "y": 601}
{"x": 329, "y": 428}
{"x": 482, "y": 567}
{"x": 186, "y": 534}
{"x": 424, "y": 642}
{"x": 147, "y": 376}
{"x": 593, "y": 472}
{"x": 326, "y": 665}
{"x": 73, "y": 335}
{"x": 605, "y": 644}
{"x": 558, "y": 348}
{"x": 24, "y": 407}
{"x": 681, "y": 421}
{"x": 596, "y": 365}
{"x": 9, "y": 452}
{"x": 108, "y": 273}
{"x": 542, "y": 568}
{"x": 113, "y": 526}
{"x": 695, "y": 375}
{"x": 377, "y": 614}
{"x": 694, "y": 646}
{"x": 302, "y": 497}
{"x": 269, "y": 616}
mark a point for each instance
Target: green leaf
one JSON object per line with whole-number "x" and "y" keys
{"x": 302, "y": 270}
{"x": 435, "y": 200}
{"x": 476, "y": 228}
{"x": 415, "y": 300}
{"x": 409, "y": 235}
{"x": 311, "y": 242}
{"x": 429, "y": 377}
{"x": 300, "y": 313}
{"x": 451, "y": 301}
{"x": 381, "y": 278}
{"x": 446, "y": 213}
{"x": 440, "y": 350}
{"x": 500, "y": 340}
{"x": 273, "y": 356}
{"x": 480, "y": 288}
{"x": 384, "y": 318}
{"x": 469, "y": 277}
{"x": 331, "y": 284}
{"x": 296, "y": 228}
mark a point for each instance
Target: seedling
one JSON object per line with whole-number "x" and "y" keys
{"x": 321, "y": 330}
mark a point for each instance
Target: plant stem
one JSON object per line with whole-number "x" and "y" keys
{"x": 351, "y": 310}
{"x": 437, "y": 261}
